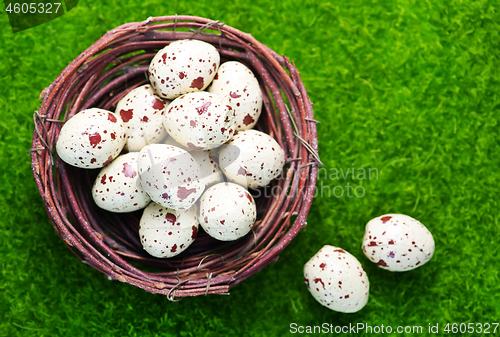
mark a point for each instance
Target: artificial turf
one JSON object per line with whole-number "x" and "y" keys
{"x": 408, "y": 89}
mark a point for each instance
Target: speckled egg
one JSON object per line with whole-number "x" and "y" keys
{"x": 227, "y": 211}
{"x": 141, "y": 111}
{"x": 117, "y": 187}
{"x": 210, "y": 173}
{"x": 236, "y": 83}
{"x": 337, "y": 280}
{"x": 251, "y": 159}
{"x": 166, "y": 232}
{"x": 169, "y": 175}
{"x": 91, "y": 138}
{"x": 397, "y": 242}
{"x": 183, "y": 66}
{"x": 200, "y": 121}
{"x": 170, "y": 141}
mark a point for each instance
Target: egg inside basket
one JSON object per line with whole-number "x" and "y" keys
{"x": 109, "y": 242}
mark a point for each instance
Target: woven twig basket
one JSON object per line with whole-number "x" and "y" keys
{"x": 109, "y": 242}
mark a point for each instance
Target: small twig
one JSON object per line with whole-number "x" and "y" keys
{"x": 35, "y": 149}
{"x": 144, "y": 28}
{"x": 205, "y": 27}
{"x": 309, "y": 148}
{"x": 171, "y": 292}
{"x": 291, "y": 118}
{"x": 220, "y": 35}
{"x": 203, "y": 259}
{"x": 42, "y": 119}
{"x": 48, "y": 119}
{"x": 309, "y": 164}
{"x": 209, "y": 279}
{"x": 36, "y": 116}
{"x": 312, "y": 120}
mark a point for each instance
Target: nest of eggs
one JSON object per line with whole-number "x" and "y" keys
{"x": 109, "y": 242}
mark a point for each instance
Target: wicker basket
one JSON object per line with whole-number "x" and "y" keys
{"x": 109, "y": 242}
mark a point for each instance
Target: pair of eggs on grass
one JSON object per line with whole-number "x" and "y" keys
{"x": 178, "y": 171}
{"x": 394, "y": 242}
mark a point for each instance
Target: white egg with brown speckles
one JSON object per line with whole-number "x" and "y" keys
{"x": 337, "y": 280}
{"x": 227, "y": 211}
{"x": 117, "y": 187}
{"x": 200, "y": 121}
{"x": 166, "y": 232}
{"x": 169, "y": 175}
{"x": 397, "y": 242}
{"x": 210, "y": 173}
{"x": 252, "y": 158}
{"x": 92, "y": 138}
{"x": 141, "y": 111}
{"x": 183, "y": 66}
{"x": 236, "y": 83}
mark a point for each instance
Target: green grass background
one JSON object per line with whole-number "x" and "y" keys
{"x": 410, "y": 88}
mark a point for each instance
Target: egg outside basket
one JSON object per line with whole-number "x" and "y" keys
{"x": 109, "y": 242}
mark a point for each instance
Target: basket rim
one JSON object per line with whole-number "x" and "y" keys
{"x": 299, "y": 134}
